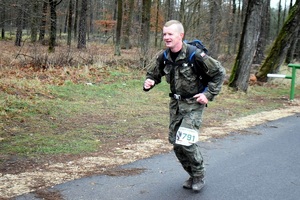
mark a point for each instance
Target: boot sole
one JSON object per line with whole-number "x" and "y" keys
{"x": 188, "y": 188}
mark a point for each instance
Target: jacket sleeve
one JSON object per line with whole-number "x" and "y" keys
{"x": 213, "y": 69}
{"x": 155, "y": 70}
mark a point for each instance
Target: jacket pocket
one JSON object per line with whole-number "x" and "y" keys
{"x": 168, "y": 73}
{"x": 188, "y": 73}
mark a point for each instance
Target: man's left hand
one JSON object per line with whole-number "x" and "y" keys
{"x": 201, "y": 98}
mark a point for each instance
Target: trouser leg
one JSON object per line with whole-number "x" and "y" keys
{"x": 191, "y": 159}
{"x": 187, "y": 115}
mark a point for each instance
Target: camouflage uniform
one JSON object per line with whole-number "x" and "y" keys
{"x": 187, "y": 112}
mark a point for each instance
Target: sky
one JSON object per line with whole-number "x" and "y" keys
{"x": 274, "y": 3}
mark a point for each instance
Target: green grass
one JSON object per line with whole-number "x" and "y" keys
{"x": 80, "y": 118}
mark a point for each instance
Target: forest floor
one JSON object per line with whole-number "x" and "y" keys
{"x": 24, "y": 86}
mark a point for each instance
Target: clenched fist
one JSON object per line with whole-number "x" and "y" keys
{"x": 148, "y": 84}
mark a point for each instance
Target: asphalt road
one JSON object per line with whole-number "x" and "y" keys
{"x": 261, "y": 164}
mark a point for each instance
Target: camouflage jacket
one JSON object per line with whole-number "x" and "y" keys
{"x": 182, "y": 78}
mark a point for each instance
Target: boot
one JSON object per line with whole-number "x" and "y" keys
{"x": 188, "y": 183}
{"x": 198, "y": 183}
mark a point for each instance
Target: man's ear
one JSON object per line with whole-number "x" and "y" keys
{"x": 182, "y": 35}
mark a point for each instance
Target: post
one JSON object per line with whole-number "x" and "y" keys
{"x": 293, "y": 82}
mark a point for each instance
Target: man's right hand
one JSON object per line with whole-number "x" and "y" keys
{"x": 148, "y": 84}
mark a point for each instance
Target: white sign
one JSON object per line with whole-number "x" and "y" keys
{"x": 186, "y": 136}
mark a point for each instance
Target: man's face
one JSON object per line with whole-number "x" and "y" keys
{"x": 172, "y": 37}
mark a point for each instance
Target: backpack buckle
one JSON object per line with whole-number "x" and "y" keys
{"x": 177, "y": 96}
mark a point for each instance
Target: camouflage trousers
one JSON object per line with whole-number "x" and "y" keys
{"x": 188, "y": 114}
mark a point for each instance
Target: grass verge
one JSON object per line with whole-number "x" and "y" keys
{"x": 41, "y": 120}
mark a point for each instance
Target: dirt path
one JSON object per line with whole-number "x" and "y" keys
{"x": 56, "y": 173}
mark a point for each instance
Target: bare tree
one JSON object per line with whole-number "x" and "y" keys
{"x": 2, "y": 18}
{"x": 76, "y": 18}
{"x": 91, "y": 17}
{"x": 291, "y": 4}
{"x": 119, "y": 28}
{"x": 238, "y": 26}
{"x": 296, "y": 54}
{"x": 241, "y": 70}
{"x": 279, "y": 17}
{"x": 218, "y": 23}
{"x": 215, "y": 19}
{"x": 292, "y": 51}
{"x": 231, "y": 24}
{"x": 34, "y": 19}
{"x": 169, "y": 9}
{"x": 282, "y": 43}
{"x": 128, "y": 23}
{"x": 43, "y": 22}
{"x": 145, "y": 30}
{"x": 82, "y": 25}
{"x": 19, "y": 23}
{"x": 53, "y": 21}
{"x": 70, "y": 14}
{"x": 264, "y": 34}
{"x": 157, "y": 26}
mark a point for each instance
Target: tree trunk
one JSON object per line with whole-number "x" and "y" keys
{"x": 282, "y": 43}
{"x": 43, "y": 22}
{"x": 115, "y": 15}
{"x": 66, "y": 22}
{"x": 91, "y": 29}
{"x": 168, "y": 6}
{"x": 76, "y": 19}
{"x": 231, "y": 25}
{"x": 53, "y": 19}
{"x": 156, "y": 22}
{"x": 292, "y": 50}
{"x": 291, "y": 5}
{"x": 182, "y": 12}
{"x": 215, "y": 19}
{"x": 19, "y": 24}
{"x": 145, "y": 30}
{"x": 128, "y": 23}
{"x": 119, "y": 28}
{"x": 297, "y": 49}
{"x": 53, "y": 22}
{"x": 69, "y": 39}
{"x": 241, "y": 70}
{"x": 279, "y": 17}
{"x": 264, "y": 34}
{"x": 34, "y": 20}
{"x": 3, "y": 18}
{"x": 237, "y": 27}
{"x": 82, "y": 25}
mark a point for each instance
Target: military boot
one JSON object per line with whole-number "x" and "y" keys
{"x": 198, "y": 183}
{"x": 188, "y": 183}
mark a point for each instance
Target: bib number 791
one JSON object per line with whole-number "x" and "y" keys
{"x": 186, "y": 136}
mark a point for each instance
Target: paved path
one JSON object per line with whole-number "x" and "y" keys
{"x": 261, "y": 164}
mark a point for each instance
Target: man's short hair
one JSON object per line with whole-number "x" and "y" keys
{"x": 177, "y": 23}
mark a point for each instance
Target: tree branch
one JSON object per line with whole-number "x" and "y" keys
{"x": 58, "y": 3}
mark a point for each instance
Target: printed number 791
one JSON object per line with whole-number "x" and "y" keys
{"x": 189, "y": 137}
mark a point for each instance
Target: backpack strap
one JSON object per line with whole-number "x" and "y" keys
{"x": 190, "y": 58}
{"x": 191, "y": 50}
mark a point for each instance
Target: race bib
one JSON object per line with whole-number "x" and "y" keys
{"x": 186, "y": 136}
